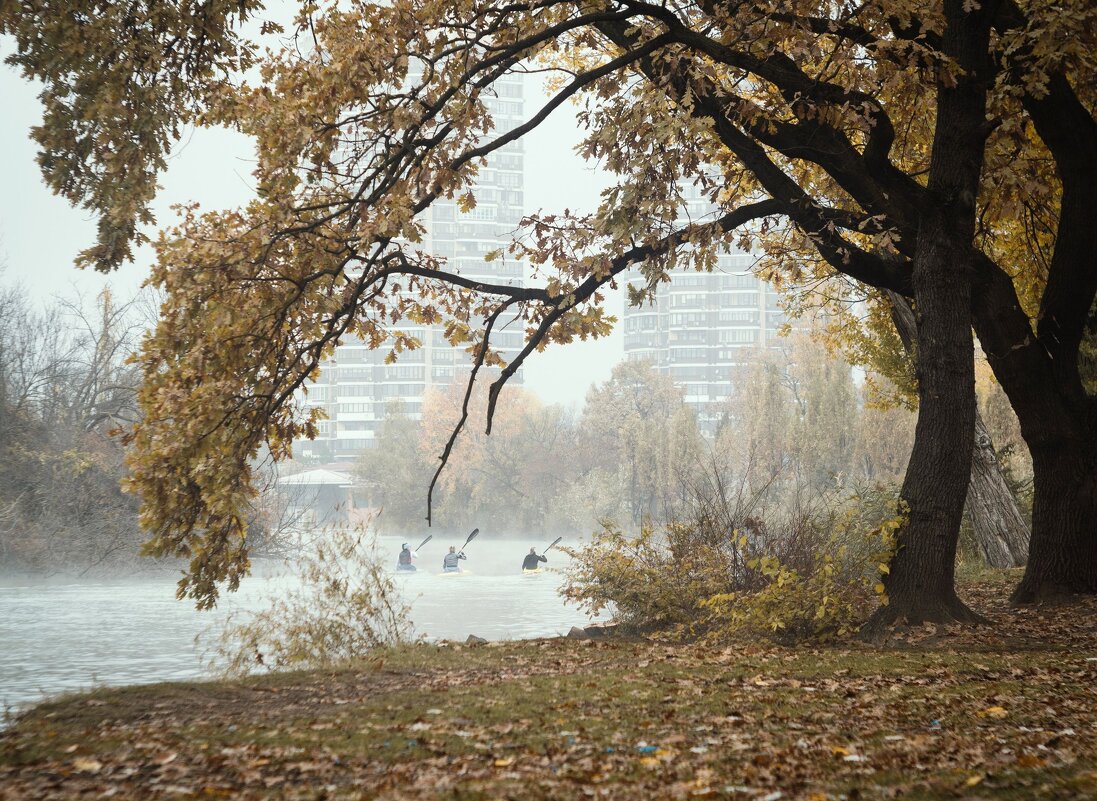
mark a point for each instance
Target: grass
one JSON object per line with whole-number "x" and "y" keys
{"x": 1002, "y": 712}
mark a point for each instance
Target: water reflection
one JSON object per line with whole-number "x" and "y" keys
{"x": 63, "y": 637}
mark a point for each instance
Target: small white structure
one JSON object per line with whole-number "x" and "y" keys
{"x": 319, "y": 497}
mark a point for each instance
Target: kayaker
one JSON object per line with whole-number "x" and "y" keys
{"x": 404, "y": 560}
{"x": 532, "y": 558}
{"x": 449, "y": 561}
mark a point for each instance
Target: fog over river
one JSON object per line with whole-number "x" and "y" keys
{"x": 58, "y": 636}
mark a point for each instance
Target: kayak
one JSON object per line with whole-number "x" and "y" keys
{"x": 455, "y": 573}
{"x": 535, "y": 570}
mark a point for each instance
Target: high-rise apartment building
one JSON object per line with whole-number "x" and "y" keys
{"x": 701, "y": 325}
{"x": 356, "y": 386}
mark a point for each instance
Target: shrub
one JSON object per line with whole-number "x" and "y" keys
{"x": 813, "y": 573}
{"x": 651, "y": 581}
{"x": 346, "y": 606}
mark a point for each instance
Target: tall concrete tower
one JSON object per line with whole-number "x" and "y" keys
{"x": 701, "y": 325}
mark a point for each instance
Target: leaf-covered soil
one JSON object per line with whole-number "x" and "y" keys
{"x": 1007, "y": 711}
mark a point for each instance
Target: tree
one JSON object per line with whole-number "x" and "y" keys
{"x": 885, "y": 436}
{"x": 823, "y": 390}
{"x": 512, "y": 481}
{"x": 879, "y": 333}
{"x": 919, "y": 581}
{"x": 395, "y": 473}
{"x": 121, "y": 80}
{"x": 903, "y": 147}
{"x": 64, "y": 386}
{"x": 999, "y": 529}
{"x": 762, "y": 422}
{"x": 640, "y": 439}
{"x": 797, "y": 428}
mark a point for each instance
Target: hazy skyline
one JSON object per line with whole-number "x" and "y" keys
{"x": 40, "y": 233}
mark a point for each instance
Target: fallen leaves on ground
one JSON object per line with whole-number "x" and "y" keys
{"x": 1001, "y": 711}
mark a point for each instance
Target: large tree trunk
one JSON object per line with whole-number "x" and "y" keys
{"x": 1058, "y": 431}
{"x": 1000, "y": 529}
{"x": 1063, "y": 556}
{"x": 920, "y": 583}
{"x": 1041, "y": 374}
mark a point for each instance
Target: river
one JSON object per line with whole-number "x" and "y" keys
{"x": 59, "y": 637}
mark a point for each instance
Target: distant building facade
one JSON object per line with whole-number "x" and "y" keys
{"x": 356, "y": 386}
{"x": 701, "y": 326}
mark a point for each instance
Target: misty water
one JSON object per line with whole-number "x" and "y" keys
{"x": 58, "y": 637}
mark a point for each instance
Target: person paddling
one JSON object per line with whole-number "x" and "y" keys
{"x": 403, "y": 562}
{"x": 532, "y": 558}
{"x": 449, "y": 561}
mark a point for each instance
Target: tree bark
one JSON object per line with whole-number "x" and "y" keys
{"x": 1063, "y": 558}
{"x": 1059, "y": 432}
{"x": 1058, "y": 417}
{"x": 920, "y": 582}
{"x": 1000, "y": 529}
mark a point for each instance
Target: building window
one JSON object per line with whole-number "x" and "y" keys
{"x": 738, "y": 335}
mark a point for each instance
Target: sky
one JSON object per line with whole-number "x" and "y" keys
{"x": 40, "y": 233}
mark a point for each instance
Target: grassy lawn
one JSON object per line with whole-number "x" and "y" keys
{"x": 1007, "y": 711}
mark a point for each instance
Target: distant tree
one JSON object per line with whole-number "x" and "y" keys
{"x": 64, "y": 387}
{"x": 641, "y": 439}
{"x": 885, "y": 435}
{"x": 512, "y": 481}
{"x": 761, "y": 419}
{"x": 826, "y": 406}
{"x": 395, "y": 473}
{"x": 797, "y": 422}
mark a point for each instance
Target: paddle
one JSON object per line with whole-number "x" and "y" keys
{"x": 472, "y": 536}
{"x": 424, "y": 542}
{"x": 551, "y": 546}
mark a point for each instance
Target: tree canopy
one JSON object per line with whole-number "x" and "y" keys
{"x": 121, "y": 79}
{"x": 945, "y": 152}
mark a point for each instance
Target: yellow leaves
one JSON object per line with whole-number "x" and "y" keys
{"x": 996, "y": 712}
{"x": 1033, "y": 761}
{"x": 108, "y": 124}
{"x": 467, "y": 202}
{"x": 257, "y": 297}
{"x": 457, "y": 333}
{"x": 87, "y": 765}
{"x": 504, "y": 762}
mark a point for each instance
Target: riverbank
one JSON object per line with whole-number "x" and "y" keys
{"x": 1008, "y": 711}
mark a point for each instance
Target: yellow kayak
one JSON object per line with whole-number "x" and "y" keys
{"x": 534, "y": 571}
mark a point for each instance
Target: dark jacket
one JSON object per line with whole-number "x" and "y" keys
{"x": 531, "y": 560}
